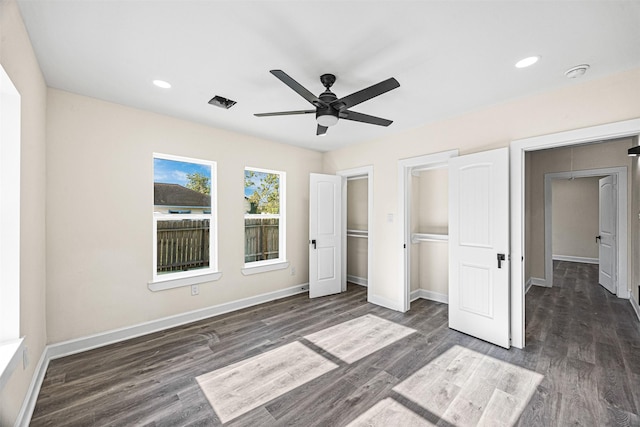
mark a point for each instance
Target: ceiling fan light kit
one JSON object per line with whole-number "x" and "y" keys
{"x": 330, "y": 108}
{"x": 326, "y": 118}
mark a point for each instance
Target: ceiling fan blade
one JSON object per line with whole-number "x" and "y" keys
{"x": 321, "y": 130}
{"x": 284, "y": 113}
{"x": 298, "y": 88}
{"x": 365, "y": 94}
{"x": 364, "y": 118}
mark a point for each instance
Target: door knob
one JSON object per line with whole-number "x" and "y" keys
{"x": 313, "y": 242}
{"x": 598, "y": 238}
{"x": 501, "y": 257}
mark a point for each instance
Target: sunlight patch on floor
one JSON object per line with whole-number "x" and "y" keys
{"x": 387, "y": 413}
{"x": 466, "y": 388}
{"x": 236, "y": 389}
{"x": 352, "y": 340}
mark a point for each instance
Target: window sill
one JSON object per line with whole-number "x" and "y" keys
{"x": 10, "y": 353}
{"x": 247, "y": 271}
{"x": 161, "y": 285}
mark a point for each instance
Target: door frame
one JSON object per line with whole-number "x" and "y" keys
{"x": 518, "y": 148}
{"x": 364, "y": 171}
{"x": 405, "y": 168}
{"x": 621, "y": 227}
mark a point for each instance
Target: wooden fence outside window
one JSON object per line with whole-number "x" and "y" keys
{"x": 261, "y": 239}
{"x": 183, "y": 244}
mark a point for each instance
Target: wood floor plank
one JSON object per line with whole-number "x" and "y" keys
{"x": 388, "y": 412}
{"x": 583, "y": 342}
{"x": 543, "y": 409}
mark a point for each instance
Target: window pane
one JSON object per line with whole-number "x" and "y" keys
{"x": 261, "y": 239}
{"x": 181, "y": 187}
{"x": 261, "y": 192}
{"x": 183, "y": 244}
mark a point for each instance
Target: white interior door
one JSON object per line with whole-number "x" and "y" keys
{"x": 325, "y": 244}
{"x": 607, "y": 233}
{"x": 479, "y": 245}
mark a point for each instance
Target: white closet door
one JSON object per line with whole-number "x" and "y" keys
{"x": 325, "y": 243}
{"x": 479, "y": 245}
{"x": 607, "y": 233}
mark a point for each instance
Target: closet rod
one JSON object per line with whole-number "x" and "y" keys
{"x": 427, "y": 237}
{"x": 358, "y": 233}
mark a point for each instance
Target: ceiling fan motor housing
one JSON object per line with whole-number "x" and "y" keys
{"x": 327, "y": 115}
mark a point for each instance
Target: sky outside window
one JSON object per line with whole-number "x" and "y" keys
{"x": 175, "y": 172}
{"x": 255, "y": 178}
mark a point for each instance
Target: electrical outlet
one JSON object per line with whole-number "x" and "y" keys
{"x": 293, "y": 271}
{"x": 25, "y": 358}
{"x": 195, "y": 290}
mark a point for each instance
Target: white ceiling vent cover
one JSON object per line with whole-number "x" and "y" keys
{"x": 576, "y": 71}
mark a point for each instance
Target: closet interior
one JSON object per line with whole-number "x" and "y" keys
{"x": 429, "y": 214}
{"x": 357, "y": 230}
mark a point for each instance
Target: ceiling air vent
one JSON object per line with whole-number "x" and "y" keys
{"x": 222, "y": 102}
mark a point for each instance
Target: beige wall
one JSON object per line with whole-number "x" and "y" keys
{"x": 586, "y": 157}
{"x": 357, "y": 211}
{"x": 580, "y": 105}
{"x": 575, "y": 206}
{"x": 99, "y": 260}
{"x": 18, "y": 60}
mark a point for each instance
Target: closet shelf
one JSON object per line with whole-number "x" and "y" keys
{"x": 429, "y": 237}
{"x": 363, "y": 234}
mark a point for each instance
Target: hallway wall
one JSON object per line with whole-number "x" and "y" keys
{"x": 575, "y": 217}
{"x": 585, "y": 157}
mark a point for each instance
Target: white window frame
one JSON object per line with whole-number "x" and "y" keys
{"x": 11, "y": 344}
{"x": 178, "y": 279}
{"x": 280, "y": 262}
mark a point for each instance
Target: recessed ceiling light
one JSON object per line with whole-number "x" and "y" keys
{"x": 162, "y": 84}
{"x": 527, "y": 62}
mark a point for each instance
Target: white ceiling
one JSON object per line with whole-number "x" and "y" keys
{"x": 450, "y": 57}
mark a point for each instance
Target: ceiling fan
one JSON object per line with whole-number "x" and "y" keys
{"x": 330, "y": 108}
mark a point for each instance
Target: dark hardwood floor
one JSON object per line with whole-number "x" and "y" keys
{"x": 581, "y": 365}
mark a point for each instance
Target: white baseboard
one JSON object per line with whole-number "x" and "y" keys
{"x": 569, "y": 258}
{"x": 527, "y": 286}
{"x": 384, "y": 302}
{"x": 78, "y": 345}
{"x": 66, "y": 348}
{"x": 429, "y": 295}
{"x": 536, "y": 281}
{"x": 362, "y": 281}
{"x": 29, "y": 404}
{"x": 635, "y": 305}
